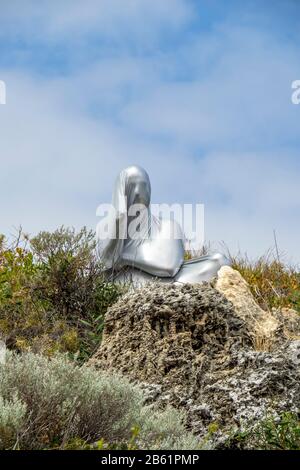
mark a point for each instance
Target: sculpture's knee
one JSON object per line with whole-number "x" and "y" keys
{"x": 221, "y": 259}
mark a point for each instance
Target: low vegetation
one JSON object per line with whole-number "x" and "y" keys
{"x": 53, "y": 295}
{"x": 54, "y": 403}
{"x": 272, "y": 433}
{"x": 53, "y": 300}
{"x": 273, "y": 283}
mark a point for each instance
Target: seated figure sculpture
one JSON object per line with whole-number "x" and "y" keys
{"x": 158, "y": 251}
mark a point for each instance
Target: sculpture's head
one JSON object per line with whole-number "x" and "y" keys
{"x": 136, "y": 185}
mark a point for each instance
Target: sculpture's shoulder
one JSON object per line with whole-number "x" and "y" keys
{"x": 171, "y": 229}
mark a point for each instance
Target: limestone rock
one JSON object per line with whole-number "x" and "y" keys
{"x": 209, "y": 350}
{"x": 163, "y": 331}
{"x": 263, "y": 324}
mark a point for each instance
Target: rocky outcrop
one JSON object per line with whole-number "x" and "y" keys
{"x": 208, "y": 349}
{"x": 264, "y": 326}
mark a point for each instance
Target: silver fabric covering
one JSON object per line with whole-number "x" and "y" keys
{"x": 158, "y": 252}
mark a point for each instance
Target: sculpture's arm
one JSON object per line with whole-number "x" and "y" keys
{"x": 161, "y": 255}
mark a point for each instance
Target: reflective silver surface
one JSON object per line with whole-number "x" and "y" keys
{"x": 155, "y": 254}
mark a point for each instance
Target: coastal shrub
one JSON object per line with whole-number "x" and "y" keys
{"x": 54, "y": 403}
{"x": 53, "y": 294}
{"x": 12, "y": 421}
{"x": 272, "y": 433}
{"x": 277, "y": 433}
{"x": 68, "y": 270}
{"x": 164, "y": 430}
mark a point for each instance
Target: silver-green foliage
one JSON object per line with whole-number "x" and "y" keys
{"x": 46, "y": 403}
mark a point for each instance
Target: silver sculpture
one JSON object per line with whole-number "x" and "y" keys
{"x": 152, "y": 255}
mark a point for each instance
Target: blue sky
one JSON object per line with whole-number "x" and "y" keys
{"x": 196, "y": 91}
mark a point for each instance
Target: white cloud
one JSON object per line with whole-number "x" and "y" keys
{"x": 212, "y": 122}
{"x": 115, "y": 19}
{"x": 244, "y": 100}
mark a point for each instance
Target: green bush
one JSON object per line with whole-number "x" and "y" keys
{"x": 68, "y": 270}
{"x": 164, "y": 430}
{"x": 273, "y": 433}
{"x": 281, "y": 433}
{"x": 53, "y": 294}
{"x": 54, "y": 403}
{"x": 12, "y": 418}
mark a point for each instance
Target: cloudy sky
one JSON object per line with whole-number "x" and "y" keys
{"x": 196, "y": 91}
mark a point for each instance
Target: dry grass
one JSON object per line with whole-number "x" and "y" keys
{"x": 274, "y": 283}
